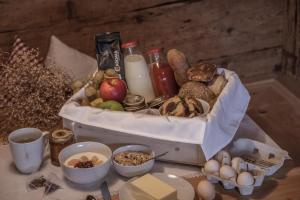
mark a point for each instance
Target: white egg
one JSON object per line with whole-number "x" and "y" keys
{"x": 212, "y": 166}
{"x": 227, "y": 172}
{"x": 245, "y": 179}
{"x": 206, "y": 190}
{"x": 238, "y": 164}
{"x": 223, "y": 157}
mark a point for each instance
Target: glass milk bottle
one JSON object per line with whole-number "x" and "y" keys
{"x": 137, "y": 72}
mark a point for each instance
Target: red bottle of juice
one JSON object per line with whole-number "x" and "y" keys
{"x": 162, "y": 75}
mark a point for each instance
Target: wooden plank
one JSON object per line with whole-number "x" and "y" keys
{"x": 289, "y": 57}
{"x": 36, "y": 14}
{"x": 252, "y": 66}
{"x": 214, "y": 30}
{"x": 298, "y": 41}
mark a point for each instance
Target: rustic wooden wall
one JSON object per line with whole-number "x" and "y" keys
{"x": 291, "y": 39}
{"x": 246, "y": 36}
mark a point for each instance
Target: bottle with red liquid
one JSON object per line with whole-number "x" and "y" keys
{"x": 162, "y": 75}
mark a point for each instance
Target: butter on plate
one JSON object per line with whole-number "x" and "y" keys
{"x": 154, "y": 188}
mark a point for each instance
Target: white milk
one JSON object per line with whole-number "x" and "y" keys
{"x": 137, "y": 76}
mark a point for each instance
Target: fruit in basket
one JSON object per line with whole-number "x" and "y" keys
{"x": 110, "y": 73}
{"x": 97, "y": 103}
{"x": 111, "y": 105}
{"x": 76, "y": 86}
{"x": 90, "y": 93}
{"x": 97, "y": 78}
{"x": 84, "y": 102}
{"x": 113, "y": 89}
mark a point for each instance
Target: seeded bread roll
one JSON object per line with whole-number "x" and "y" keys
{"x": 217, "y": 84}
{"x": 197, "y": 90}
{"x": 202, "y": 72}
{"x": 179, "y": 64}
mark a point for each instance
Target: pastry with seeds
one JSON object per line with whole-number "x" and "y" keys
{"x": 202, "y": 72}
{"x": 197, "y": 90}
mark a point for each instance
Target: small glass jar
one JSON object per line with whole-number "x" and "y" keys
{"x": 162, "y": 75}
{"x": 58, "y": 140}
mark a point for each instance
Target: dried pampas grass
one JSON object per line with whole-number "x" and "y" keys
{"x": 31, "y": 95}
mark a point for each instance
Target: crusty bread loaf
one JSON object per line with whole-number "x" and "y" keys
{"x": 203, "y": 72}
{"x": 179, "y": 64}
{"x": 197, "y": 90}
{"x": 217, "y": 84}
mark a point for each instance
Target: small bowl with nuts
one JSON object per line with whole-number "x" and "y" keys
{"x": 133, "y": 160}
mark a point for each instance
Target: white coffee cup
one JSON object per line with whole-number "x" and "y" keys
{"x": 27, "y": 148}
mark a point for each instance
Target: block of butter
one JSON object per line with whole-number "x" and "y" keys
{"x": 154, "y": 188}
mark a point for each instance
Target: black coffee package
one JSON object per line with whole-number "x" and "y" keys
{"x": 108, "y": 52}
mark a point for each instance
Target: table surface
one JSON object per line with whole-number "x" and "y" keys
{"x": 272, "y": 107}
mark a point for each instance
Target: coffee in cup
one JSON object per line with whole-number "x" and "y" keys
{"x": 27, "y": 148}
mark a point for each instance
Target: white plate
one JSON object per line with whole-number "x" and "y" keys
{"x": 185, "y": 190}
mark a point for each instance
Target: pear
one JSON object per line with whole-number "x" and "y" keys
{"x": 112, "y": 105}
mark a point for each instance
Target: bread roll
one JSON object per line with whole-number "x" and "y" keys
{"x": 217, "y": 84}
{"x": 179, "y": 64}
{"x": 202, "y": 72}
{"x": 197, "y": 90}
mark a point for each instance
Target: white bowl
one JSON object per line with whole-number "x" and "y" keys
{"x": 85, "y": 175}
{"x": 131, "y": 171}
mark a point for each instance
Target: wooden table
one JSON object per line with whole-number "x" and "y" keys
{"x": 277, "y": 112}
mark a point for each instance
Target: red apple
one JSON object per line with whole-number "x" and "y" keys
{"x": 113, "y": 89}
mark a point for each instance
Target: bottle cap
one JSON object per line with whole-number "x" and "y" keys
{"x": 131, "y": 43}
{"x": 153, "y": 50}
{"x": 61, "y": 136}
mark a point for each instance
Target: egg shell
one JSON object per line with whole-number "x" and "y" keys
{"x": 227, "y": 172}
{"x": 245, "y": 179}
{"x": 212, "y": 166}
{"x": 238, "y": 164}
{"x": 206, "y": 190}
{"x": 223, "y": 157}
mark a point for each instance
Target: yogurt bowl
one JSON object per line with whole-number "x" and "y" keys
{"x": 82, "y": 175}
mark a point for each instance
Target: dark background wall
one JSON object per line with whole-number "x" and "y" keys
{"x": 256, "y": 38}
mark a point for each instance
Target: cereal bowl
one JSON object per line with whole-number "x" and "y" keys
{"x": 82, "y": 175}
{"x": 133, "y": 170}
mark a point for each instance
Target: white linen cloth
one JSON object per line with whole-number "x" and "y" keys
{"x": 212, "y": 132}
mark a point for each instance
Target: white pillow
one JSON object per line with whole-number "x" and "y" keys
{"x": 70, "y": 61}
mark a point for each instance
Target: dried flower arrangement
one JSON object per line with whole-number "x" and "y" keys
{"x": 31, "y": 95}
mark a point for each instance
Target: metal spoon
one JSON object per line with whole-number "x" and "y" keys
{"x": 158, "y": 156}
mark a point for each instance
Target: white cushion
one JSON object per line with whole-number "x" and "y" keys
{"x": 70, "y": 61}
